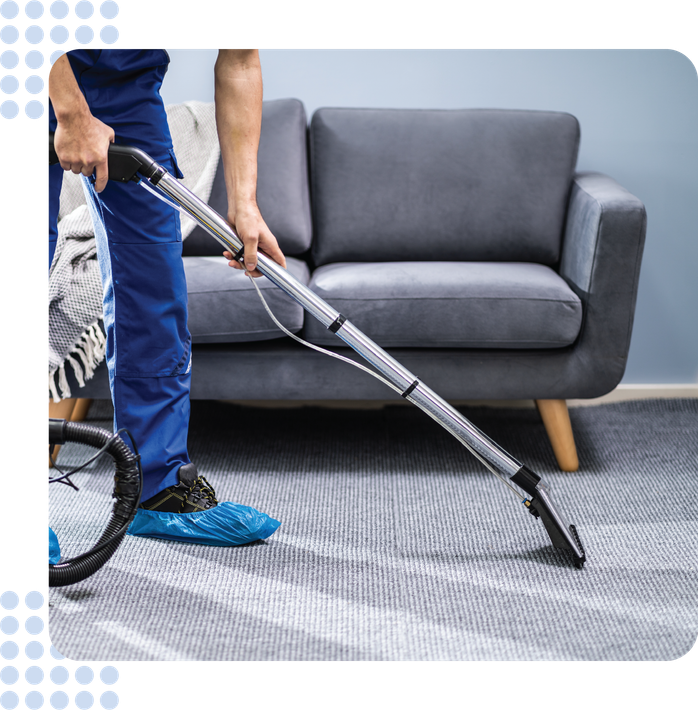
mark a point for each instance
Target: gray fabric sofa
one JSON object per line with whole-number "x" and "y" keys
{"x": 463, "y": 241}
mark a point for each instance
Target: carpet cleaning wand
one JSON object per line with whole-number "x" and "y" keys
{"x": 131, "y": 164}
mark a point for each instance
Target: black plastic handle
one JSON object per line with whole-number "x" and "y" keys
{"x": 124, "y": 162}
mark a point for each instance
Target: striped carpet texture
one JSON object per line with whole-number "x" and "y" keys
{"x": 396, "y": 545}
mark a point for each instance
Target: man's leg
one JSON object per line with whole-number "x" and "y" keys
{"x": 149, "y": 358}
{"x": 145, "y": 315}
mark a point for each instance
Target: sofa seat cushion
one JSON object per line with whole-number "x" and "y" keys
{"x": 225, "y": 308}
{"x": 450, "y": 304}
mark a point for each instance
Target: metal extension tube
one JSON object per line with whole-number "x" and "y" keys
{"x": 422, "y": 396}
{"x": 499, "y": 462}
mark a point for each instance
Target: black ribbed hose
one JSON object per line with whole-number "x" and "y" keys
{"x": 127, "y": 488}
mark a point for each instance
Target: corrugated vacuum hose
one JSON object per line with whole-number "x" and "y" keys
{"x": 128, "y": 481}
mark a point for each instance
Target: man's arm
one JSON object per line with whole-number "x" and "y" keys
{"x": 238, "y": 81}
{"x": 81, "y": 140}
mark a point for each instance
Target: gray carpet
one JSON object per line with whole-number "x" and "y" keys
{"x": 396, "y": 545}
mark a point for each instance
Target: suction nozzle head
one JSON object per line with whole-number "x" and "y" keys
{"x": 563, "y": 535}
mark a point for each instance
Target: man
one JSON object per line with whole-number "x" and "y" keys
{"x": 98, "y": 97}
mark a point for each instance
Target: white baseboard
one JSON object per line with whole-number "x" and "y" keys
{"x": 627, "y": 393}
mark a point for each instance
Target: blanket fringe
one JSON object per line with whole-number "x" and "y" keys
{"x": 90, "y": 349}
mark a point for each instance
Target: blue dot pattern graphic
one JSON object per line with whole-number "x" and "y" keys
{"x": 34, "y": 34}
{"x": 34, "y": 675}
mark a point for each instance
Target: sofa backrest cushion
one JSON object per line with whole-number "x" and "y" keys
{"x": 454, "y": 185}
{"x": 282, "y": 182}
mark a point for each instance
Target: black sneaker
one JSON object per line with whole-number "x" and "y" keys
{"x": 192, "y": 494}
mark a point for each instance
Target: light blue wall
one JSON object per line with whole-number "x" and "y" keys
{"x": 639, "y": 116}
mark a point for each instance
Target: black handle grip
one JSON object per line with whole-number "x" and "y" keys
{"x": 124, "y": 162}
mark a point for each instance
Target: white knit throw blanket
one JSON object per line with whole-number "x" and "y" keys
{"x": 75, "y": 285}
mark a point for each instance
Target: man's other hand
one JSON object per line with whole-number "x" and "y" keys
{"x": 255, "y": 235}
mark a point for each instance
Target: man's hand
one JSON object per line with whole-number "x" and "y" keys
{"x": 238, "y": 83}
{"x": 255, "y": 235}
{"x": 82, "y": 145}
{"x": 81, "y": 141}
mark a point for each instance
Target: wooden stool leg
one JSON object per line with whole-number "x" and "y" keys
{"x": 556, "y": 419}
{"x": 62, "y": 409}
{"x": 82, "y": 407}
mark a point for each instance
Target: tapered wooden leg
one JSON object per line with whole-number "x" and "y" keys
{"x": 61, "y": 410}
{"x": 82, "y": 407}
{"x": 556, "y": 419}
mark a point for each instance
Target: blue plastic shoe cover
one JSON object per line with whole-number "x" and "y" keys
{"x": 225, "y": 525}
{"x": 54, "y": 549}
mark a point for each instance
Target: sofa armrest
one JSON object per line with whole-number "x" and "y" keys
{"x": 601, "y": 255}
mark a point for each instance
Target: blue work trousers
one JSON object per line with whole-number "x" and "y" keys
{"x": 139, "y": 247}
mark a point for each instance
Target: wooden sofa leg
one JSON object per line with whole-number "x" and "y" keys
{"x": 556, "y": 419}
